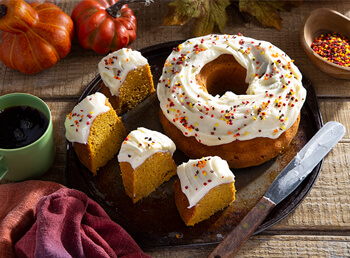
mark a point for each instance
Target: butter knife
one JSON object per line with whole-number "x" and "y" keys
{"x": 285, "y": 183}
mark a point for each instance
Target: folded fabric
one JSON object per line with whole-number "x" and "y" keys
{"x": 18, "y": 209}
{"x": 69, "y": 224}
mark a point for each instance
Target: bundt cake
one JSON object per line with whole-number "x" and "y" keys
{"x": 230, "y": 96}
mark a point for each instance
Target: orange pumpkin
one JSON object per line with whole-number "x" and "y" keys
{"x": 34, "y": 36}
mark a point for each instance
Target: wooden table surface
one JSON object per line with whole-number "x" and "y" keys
{"x": 320, "y": 225}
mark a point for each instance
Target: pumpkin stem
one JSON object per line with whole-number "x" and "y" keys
{"x": 115, "y": 10}
{"x": 3, "y": 10}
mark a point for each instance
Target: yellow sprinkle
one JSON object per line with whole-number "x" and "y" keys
{"x": 196, "y": 124}
{"x": 91, "y": 112}
{"x": 216, "y": 124}
{"x": 254, "y": 117}
{"x": 246, "y": 133}
{"x": 283, "y": 127}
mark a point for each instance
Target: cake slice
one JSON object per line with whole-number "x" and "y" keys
{"x": 204, "y": 187}
{"x": 127, "y": 79}
{"x": 95, "y": 131}
{"x": 146, "y": 162}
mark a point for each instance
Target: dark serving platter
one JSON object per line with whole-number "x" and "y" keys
{"x": 154, "y": 221}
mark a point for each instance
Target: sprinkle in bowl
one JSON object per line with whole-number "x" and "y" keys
{"x": 325, "y": 21}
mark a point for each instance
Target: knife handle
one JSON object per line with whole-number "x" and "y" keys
{"x": 240, "y": 234}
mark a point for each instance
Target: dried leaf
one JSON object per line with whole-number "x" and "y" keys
{"x": 206, "y": 14}
{"x": 180, "y": 12}
{"x": 266, "y": 12}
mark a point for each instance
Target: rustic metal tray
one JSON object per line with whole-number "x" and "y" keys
{"x": 154, "y": 221}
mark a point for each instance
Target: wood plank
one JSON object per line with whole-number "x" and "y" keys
{"x": 59, "y": 111}
{"x": 336, "y": 110}
{"x": 270, "y": 246}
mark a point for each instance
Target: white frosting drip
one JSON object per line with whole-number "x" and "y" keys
{"x": 271, "y": 105}
{"x": 199, "y": 176}
{"x": 143, "y": 143}
{"x": 114, "y": 67}
{"x": 79, "y": 120}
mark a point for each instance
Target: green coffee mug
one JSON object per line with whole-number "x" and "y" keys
{"x": 33, "y": 160}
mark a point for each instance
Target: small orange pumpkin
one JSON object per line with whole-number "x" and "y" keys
{"x": 34, "y": 36}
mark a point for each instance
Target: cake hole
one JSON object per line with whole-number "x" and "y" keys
{"x": 223, "y": 74}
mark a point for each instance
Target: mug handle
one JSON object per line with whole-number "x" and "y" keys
{"x": 3, "y": 170}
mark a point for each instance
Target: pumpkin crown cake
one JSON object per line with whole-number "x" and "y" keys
{"x": 227, "y": 90}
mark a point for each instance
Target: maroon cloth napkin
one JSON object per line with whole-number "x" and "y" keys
{"x": 69, "y": 224}
{"x": 18, "y": 203}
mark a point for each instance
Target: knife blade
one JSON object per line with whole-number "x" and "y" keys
{"x": 284, "y": 184}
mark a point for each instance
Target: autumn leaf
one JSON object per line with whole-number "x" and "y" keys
{"x": 206, "y": 14}
{"x": 266, "y": 12}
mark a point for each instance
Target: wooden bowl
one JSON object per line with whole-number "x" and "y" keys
{"x": 321, "y": 21}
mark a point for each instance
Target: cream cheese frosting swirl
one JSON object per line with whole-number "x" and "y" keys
{"x": 271, "y": 105}
{"x": 78, "y": 122}
{"x": 114, "y": 67}
{"x": 199, "y": 176}
{"x": 142, "y": 143}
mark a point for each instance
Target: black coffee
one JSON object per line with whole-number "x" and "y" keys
{"x": 20, "y": 126}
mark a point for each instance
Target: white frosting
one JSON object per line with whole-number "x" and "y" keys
{"x": 199, "y": 176}
{"x": 79, "y": 120}
{"x": 143, "y": 143}
{"x": 114, "y": 67}
{"x": 271, "y": 105}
